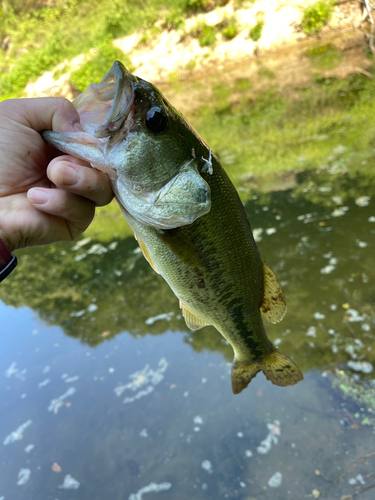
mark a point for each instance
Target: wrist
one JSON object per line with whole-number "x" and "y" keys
{"x": 8, "y": 261}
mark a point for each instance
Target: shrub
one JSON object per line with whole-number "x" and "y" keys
{"x": 316, "y": 16}
{"x": 256, "y": 31}
{"x": 230, "y": 28}
{"x": 207, "y": 36}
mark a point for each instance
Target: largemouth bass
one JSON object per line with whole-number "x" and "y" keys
{"x": 186, "y": 216}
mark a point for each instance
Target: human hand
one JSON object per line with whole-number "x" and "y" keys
{"x": 44, "y": 197}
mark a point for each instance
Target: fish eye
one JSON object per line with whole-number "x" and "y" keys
{"x": 156, "y": 121}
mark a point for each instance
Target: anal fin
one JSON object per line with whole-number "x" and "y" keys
{"x": 274, "y": 304}
{"x": 193, "y": 321}
{"x": 146, "y": 255}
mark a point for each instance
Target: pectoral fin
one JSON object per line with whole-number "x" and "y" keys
{"x": 274, "y": 305}
{"x": 146, "y": 255}
{"x": 193, "y": 321}
{"x": 277, "y": 368}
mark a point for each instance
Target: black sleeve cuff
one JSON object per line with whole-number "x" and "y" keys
{"x": 8, "y": 268}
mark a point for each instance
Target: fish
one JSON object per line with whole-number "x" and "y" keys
{"x": 186, "y": 215}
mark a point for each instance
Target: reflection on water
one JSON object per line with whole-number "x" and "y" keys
{"x": 102, "y": 390}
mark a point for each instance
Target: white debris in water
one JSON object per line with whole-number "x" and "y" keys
{"x": 366, "y": 327}
{"x": 276, "y": 480}
{"x": 143, "y": 433}
{"x": 266, "y": 444}
{"x": 240, "y": 435}
{"x": 257, "y": 233}
{"x": 92, "y": 308}
{"x": 331, "y": 331}
{"x": 81, "y": 243}
{"x": 358, "y": 479}
{"x": 361, "y": 366}
{"x": 204, "y": 380}
{"x": 337, "y": 200}
{"x": 363, "y": 201}
{"x": 23, "y": 476}
{"x": 70, "y": 483}
{"x": 319, "y": 315}
{"x": 271, "y": 230}
{"x": 72, "y": 379}
{"x": 206, "y": 465}
{"x": 333, "y": 307}
{"x": 277, "y": 342}
{"x": 166, "y": 316}
{"x": 151, "y": 488}
{"x": 198, "y": 420}
{"x": 248, "y": 453}
{"x": 13, "y": 371}
{"x": 46, "y": 369}
{"x": 371, "y": 219}
{"x": 29, "y": 448}
{"x": 146, "y": 377}
{"x": 80, "y": 257}
{"x": 97, "y": 249}
{"x": 339, "y": 212}
{"x": 186, "y": 394}
{"x": 361, "y": 244}
{"x": 196, "y": 429}
{"x": 354, "y": 316}
{"x": 58, "y": 402}
{"x": 44, "y": 382}
{"x": 311, "y": 332}
{"x": 113, "y": 245}
{"x": 77, "y": 314}
{"x": 111, "y": 370}
{"x": 17, "y": 435}
{"x": 242, "y": 484}
{"x": 327, "y": 269}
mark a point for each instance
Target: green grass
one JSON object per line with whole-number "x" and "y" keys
{"x": 255, "y": 32}
{"x": 229, "y": 28}
{"x": 316, "y": 16}
{"x": 272, "y": 133}
{"x": 42, "y": 38}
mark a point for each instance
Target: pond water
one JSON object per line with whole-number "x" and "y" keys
{"x": 105, "y": 392}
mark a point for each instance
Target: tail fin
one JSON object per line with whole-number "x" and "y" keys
{"x": 277, "y": 368}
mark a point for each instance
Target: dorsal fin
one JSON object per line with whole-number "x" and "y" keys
{"x": 146, "y": 255}
{"x": 193, "y": 321}
{"x": 274, "y": 305}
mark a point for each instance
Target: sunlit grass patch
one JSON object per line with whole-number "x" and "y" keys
{"x": 316, "y": 16}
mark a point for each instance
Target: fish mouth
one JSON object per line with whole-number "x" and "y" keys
{"x": 104, "y": 108}
{"x": 108, "y": 104}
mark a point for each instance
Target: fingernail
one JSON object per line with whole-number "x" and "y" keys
{"x": 78, "y": 127}
{"x": 68, "y": 175}
{"x": 37, "y": 196}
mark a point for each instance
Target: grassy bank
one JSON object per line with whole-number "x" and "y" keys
{"x": 36, "y": 36}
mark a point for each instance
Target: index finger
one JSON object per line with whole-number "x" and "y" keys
{"x": 42, "y": 113}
